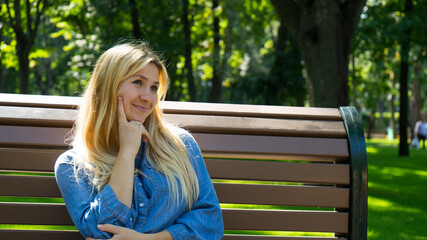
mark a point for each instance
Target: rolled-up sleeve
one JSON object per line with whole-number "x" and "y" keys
{"x": 204, "y": 220}
{"x": 86, "y": 206}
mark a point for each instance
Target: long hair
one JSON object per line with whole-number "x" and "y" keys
{"x": 96, "y": 139}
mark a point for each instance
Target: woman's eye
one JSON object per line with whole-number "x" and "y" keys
{"x": 138, "y": 82}
{"x": 154, "y": 88}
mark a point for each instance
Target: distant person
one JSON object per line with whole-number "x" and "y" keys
{"x": 420, "y": 131}
{"x": 131, "y": 175}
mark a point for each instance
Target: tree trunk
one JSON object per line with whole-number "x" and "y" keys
{"x": 188, "y": 52}
{"x": 371, "y": 123}
{"x": 24, "y": 66}
{"x": 136, "y": 30}
{"x": 323, "y": 30}
{"x": 404, "y": 67}
{"x": 416, "y": 101}
{"x": 392, "y": 112}
{"x": 216, "y": 88}
{"x": 25, "y": 40}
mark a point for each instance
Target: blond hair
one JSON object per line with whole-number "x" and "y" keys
{"x": 96, "y": 140}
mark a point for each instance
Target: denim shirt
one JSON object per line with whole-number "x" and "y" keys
{"x": 152, "y": 209}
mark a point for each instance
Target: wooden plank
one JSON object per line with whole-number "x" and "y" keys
{"x": 172, "y": 107}
{"x": 264, "y": 220}
{"x": 32, "y": 116}
{"x": 246, "y": 110}
{"x": 308, "y": 196}
{"x": 27, "y": 116}
{"x": 45, "y": 186}
{"x": 29, "y": 100}
{"x": 261, "y": 237}
{"x": 274, "y": 145}
{"x": 34, "y": 214}
{"x": 29, "y": 186}
{"x": 18, "y": 159}
{"x": 279, "y": 171}
{"x": 258, "y": 126}
{"x": 18, "y": 234}
{"x": 46, "y": 137}
{"x": 33, "y": 136}
{"x": 277, "y": 220}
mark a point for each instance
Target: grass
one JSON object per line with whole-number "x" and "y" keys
{"x": 397, "y": 192}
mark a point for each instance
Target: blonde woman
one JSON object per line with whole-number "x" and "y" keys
{"x": 129, "y": 174}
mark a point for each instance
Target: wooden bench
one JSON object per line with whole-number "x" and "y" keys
{"x": 292, "y": 169}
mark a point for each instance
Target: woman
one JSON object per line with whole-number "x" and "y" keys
{"x": 130, "y": 175}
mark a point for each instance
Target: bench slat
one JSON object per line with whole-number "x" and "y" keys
{"x": 212, "y": 144}
{"x": 277, "y": 220}
{"x": 38, "y": 160}
{"x": 41, "y": 117}
{"x": 258, "y": 126}
{"x": 244, "y": 219}
{"x": 29, "y": 186}
{"x": 217, "y": 109}
{"x": 279, "y": 171}
{"x": 17, "y": 234}
{"x": 310, "y": 196}
{"x": 29, "y": 100}
{"x": 263, "y": 146}
{"x": 262, "y": 237}
{"x": 34, "y": 214}
{"x": 42, "y": 137}
{"x": 42, "y": 160}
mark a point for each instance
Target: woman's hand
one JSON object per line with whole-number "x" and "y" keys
{"x": 130, "y": 132}
{"x": 122, "y": 233}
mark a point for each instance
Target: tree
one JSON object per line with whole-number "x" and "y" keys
{"x": 323, "y": 30}
{"x": 216, "y": 88}
{"x": 25, "y": 35}
{"x": 188, "y": 50}
{"x": 404, "y": 67}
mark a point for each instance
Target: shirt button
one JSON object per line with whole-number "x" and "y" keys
{"x": 140, "y": 184}
{"x": 141, "y": 205}
{"x": 131, "y": 219}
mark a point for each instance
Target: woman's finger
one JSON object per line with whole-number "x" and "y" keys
{"x": 121, "y": 110}
{"x": 110, "y": 228}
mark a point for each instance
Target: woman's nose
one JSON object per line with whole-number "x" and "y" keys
{"x": 144, "y": 94}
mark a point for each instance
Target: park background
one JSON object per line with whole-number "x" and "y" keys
{"x": 370, "y": 54}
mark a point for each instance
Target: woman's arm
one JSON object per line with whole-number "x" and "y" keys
{"x": 121, "y": 233}
{"x": 130, "y": 134}
{"x": 86, "y": 206}
{"x": 204, "y": 220}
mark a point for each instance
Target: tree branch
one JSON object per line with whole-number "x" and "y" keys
{"x": 290, "y": 12}
{"x": 39, "y": 12}
{"x": 29, "y": 20}
{"x": 11, "y": 20}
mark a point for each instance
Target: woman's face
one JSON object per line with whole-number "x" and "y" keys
{"x": 139, "y": 93}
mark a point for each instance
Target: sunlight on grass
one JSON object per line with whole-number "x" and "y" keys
{"x": 379, "y": 203}
{"x": 281, "y": 233}
{"x": 371, "y": 150}
{"x": 37, "y": 227}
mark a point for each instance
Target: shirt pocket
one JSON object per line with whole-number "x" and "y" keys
{"x": 158, "y": 179}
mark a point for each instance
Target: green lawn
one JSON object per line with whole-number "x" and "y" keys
{"x": 397, "y": 192}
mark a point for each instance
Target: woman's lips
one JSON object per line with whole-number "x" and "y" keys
{"x": 140, "y": 108}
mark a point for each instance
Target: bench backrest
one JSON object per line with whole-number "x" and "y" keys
{"x": 283, "y": 170}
